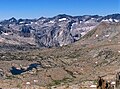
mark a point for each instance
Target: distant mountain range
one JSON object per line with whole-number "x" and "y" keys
{"x": 50, "y": 32}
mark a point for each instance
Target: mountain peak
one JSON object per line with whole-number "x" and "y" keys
{"x": 12, "y": 19}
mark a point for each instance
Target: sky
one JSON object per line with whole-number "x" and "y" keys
{"x": 49, "y": 8}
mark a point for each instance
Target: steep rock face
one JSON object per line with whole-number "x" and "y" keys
{"x": 25, "y": 31}
{"x": 48, "y": 32}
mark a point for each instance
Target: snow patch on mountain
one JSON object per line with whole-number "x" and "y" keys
{"x": 51, "y": 21}
{"x": 111, "y": 20}
{"x": 105, "y": 20}
{"x": 62, "y": 19}
{"x": 116, "y": 20}
{"x": 22, "y": 22}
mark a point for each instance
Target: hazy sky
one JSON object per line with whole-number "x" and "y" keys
{"x": 48, "y": 8}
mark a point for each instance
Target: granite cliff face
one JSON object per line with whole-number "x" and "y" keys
{"x": 49, "y": 32}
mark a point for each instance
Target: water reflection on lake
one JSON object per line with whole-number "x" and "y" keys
{"x": 16, "y": 71}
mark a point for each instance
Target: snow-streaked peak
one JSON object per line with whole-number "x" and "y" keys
{"x": 11, "y": 20}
